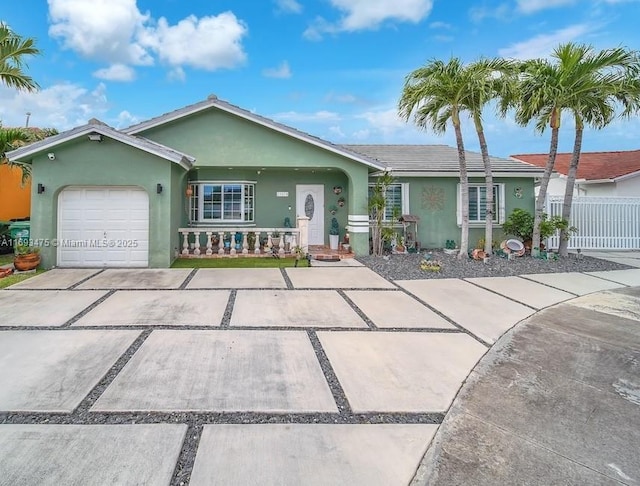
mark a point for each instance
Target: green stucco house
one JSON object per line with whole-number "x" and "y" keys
{"x": 167, "y": 187}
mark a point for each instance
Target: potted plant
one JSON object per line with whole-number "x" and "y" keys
{"x": 275, "y": 239}
{"x": 26, "y": 258}
{"x": 520, "y": 224}
{"x": 334, "y": 234}
{"x": 251, "y": 240}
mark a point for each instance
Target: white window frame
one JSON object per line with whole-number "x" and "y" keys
{"x": 196, "y": 202}
{"x": 404, "y": 199}
{"x": 500, "y": 205}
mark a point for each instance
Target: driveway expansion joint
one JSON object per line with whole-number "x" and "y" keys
{"x": 184, "y": 284}
{"x": 445, "y": 317}
{"x": 88, "y": 309}
{"x": 337, "y": 391}
{"x": 88, "y": 401}
{"x": 75, "y": 285}
{"x": 357, "y": 310}
{"x": 286, "y": 278}
{"x": 226, "y": 318}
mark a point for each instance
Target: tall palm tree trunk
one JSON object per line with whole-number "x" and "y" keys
{"x": 544, "y": 183}
{"x": 568, "y": 191}
{"x": 464, "y": 188}
{"x": 488, "y": 178}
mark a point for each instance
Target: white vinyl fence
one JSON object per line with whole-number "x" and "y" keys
{"x": 604, "y": 223}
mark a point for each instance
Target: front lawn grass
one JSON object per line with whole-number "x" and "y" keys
{"x": 237, "y": 263}
{"x": 5, "y": 259}
{"x": 14, "y": 279}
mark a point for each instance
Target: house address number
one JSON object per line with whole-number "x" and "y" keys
{"x": 282, "y": 194}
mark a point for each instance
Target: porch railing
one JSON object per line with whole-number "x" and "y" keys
{"x": 232, "y": 241}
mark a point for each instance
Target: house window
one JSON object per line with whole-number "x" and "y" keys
{"x": 396, "y": 200}
{"x": 218, "y": 202}
{"x": 478, "y": 204}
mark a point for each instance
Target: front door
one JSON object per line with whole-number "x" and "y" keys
{"x": 310, "y": 203}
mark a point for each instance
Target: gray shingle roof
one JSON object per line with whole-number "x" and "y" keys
{"x": 437, "y": 159}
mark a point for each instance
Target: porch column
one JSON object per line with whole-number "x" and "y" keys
{"x": 358, "y": 215}
{"x": 303, "y": 226}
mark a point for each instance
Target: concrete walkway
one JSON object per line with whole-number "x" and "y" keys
{"x": 329, "y": 375}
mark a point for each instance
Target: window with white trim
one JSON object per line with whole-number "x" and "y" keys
{"x": 396, "y": 200}
{"x": 222, "y": 202}
{"x": 478, "y": 204}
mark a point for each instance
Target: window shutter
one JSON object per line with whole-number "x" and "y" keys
{"x": 501, "y": 201}
{"x": 405, "y": 198}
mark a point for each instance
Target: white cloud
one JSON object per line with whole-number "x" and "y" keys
{"x": 543, "y": 44}
{"x": 117, "y": 32}
{"x": 283, "y": 71}
{"x": 385, "y": 121}
{"x": 126, "y": 119}
{"x": 479, "y": 13}
{"x": 60, "y": 106}
{"x": 210, "y": 43}
{"x": 531, "y": 6}
{"x": 116, "y": 72}
{"x": 369, "y": 14}
{"x": 345, "y": 98}
{"x": 288, "y": 6}
{"x": 440, "y": 25}
{"x": 101, "y": 29}
{"x": 177, "y": 74}
{"x": 294, "y": 116}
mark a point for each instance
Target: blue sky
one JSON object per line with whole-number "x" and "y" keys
{"x": 333, "y": 68}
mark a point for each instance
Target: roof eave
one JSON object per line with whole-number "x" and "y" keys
{"x": 22, "y": 154}
{"x": 425, "y": 173}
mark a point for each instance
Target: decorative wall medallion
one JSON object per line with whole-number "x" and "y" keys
{"x": 309, "y": 206}
{"x": 337, "y": 189}
{"x": 432, "y": 198}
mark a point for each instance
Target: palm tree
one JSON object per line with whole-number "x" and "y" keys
{"x": 574, "y": 80}
{"x": 490, "y": 79}
{"x": 12, "y": 138}
{"x": 13, "y": 48}
{"x": 604, "y": 80}
{"x": 436, "y": 94}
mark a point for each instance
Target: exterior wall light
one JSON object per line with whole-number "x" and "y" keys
{"x": 159, "y": 188}
{"x": 40, "y": 188}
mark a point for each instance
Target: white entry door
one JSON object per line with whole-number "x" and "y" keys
{"x": 103, "y": 227}
{"x": 310, "y": 203}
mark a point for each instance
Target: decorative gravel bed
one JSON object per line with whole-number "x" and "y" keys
{"x": 407, "y": 267}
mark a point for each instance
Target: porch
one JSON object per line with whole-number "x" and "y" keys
{"x": 230, "y": 242}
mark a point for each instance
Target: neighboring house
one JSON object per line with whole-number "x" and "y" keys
{"x": 146, "y": 192}
{"x": 600, "y": 174}
{"x": 15, "y": 197}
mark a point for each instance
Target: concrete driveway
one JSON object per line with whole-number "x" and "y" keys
{"x": 255, "y": 376}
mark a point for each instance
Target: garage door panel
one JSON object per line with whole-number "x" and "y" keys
{"x": 88, "y": 215}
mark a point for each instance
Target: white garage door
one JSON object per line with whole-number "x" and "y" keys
{"x": 103, "y": 227}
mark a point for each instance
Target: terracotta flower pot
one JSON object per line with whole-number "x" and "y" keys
{"x": 26, "y": 262}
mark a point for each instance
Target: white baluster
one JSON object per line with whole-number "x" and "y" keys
{"x": 256, "y": 250}
{"x": 245, "y": 243}
{"x": 185, "y": 242}
{"x": 294, "y": 242}
{"x": 281, "y": 250}
{"x": 196, "y": 250}
{"x": 209, "y": 251}
{"x": 221, "y": 243}
{"x": 232, "y": 244}
{"x": 269, "y": 242}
